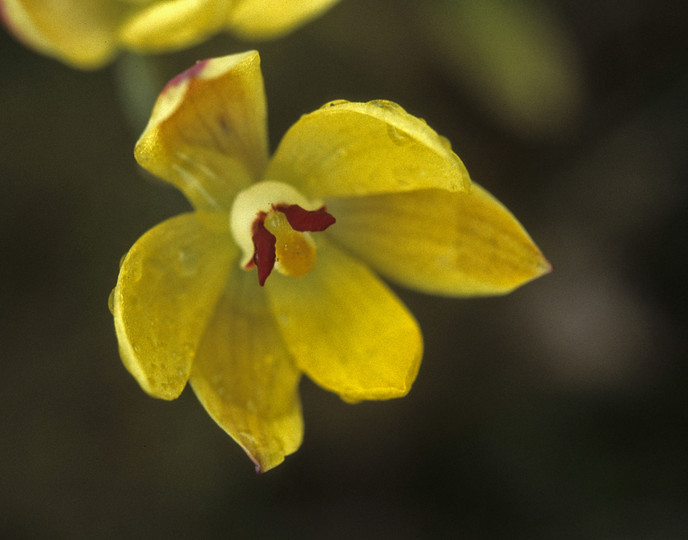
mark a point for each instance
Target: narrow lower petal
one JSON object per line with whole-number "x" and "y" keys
{"x": 264, "y": 19}
{"x": 454, "y": 244}
{"x": 81, "y": 33}
{"x": 168, "y": 286}
{"x": 346, "y": 329}
{"x": 346, "y": 149}
{"x": 245, "y": 378}
{"x": 207, "y": 134}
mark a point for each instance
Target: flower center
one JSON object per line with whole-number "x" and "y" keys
{"x": 271, "y": 222}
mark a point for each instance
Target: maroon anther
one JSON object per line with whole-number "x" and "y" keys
{"x": 306, "y": 220}
{"x": 263, "y": 249}
{"x": 264, "y": 241}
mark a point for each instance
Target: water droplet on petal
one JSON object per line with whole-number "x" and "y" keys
{"x": 246, "y": 436}
{"x": 111, "y": 302}
{"x": 187, "y": 262}
{"x": 398, "y": 137}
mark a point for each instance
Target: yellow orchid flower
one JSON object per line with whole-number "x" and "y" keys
{"x": 87, "y": 33}
{"x": 274, "y": 272}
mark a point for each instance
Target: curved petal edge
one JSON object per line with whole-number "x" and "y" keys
{"x": 167, "y": 288}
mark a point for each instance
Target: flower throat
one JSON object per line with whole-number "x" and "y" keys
{"x": 274, "y": 233}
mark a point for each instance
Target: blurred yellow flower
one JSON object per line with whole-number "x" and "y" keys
{"x": 353, "y": 188}
{"x": 87, "y": 33}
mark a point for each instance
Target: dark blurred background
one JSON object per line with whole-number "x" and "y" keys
{"x": 559, "y": 411}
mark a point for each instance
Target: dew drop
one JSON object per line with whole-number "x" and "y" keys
{"x": 446, "y": 144}
{"x": 387, "y": 105}
{"x": 246, "y": 436}
{"x": 187, "y": 262}
{"x": 134, "y": 270}
{"x": 398, "y": 137}
{"x": 111, "y": 302}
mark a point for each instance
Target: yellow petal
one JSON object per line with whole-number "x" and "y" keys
{"x": 346, "y": 329}
{"x": 245, "y": 378}
{"x": 263, "y": 19}
{"x": 78, "y": 32}
{"x": 168, "y": 286}
{"x": 173, "y": 24}
{"x": 345, "y": 149}
{"x": 455, "y": 244}
{"x": 207, "y": 134}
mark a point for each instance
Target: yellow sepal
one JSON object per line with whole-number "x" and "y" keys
{"x": 345, "y": 329}
{"x": 173, "y": 24}
{"x": 454, "y": 244}
{"x": 77, "y": 32}
{"x": 207, "y": 134}
{"x": 346, "y": 149}
{"x": 167, "y": 289}
{"x": 245, "y": 378}
{"x": 263, "y": 19}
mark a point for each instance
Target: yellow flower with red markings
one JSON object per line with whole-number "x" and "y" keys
{"x": 274, "y": 273}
